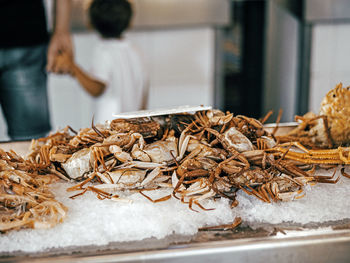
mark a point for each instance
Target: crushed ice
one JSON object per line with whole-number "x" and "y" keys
{"x": 91, "y": 221}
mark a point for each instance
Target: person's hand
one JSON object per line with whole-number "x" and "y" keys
{"x": 60, "y": 43}
{"x": 64, "y": 64}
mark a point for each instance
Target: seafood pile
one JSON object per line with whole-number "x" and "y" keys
{"x": 330, "y": 128}
{"x": 323, "y": 138}
{"x": 25, "y": 199}
{"x": 209, "y": 154}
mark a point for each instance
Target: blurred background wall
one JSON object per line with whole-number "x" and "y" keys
{"x": 178, "y": 42}
{"x": 179, "y": 75}
{"x": 248, "y": 57}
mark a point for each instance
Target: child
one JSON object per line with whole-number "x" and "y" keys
{"x": 117, "y": 78}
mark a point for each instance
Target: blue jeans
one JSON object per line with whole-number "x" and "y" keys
{"x": 23, "y": 92}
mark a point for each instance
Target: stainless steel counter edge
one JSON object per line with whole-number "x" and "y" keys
{"x": 331, "y": 246}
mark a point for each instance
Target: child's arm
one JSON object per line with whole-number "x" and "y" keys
{"x": 93, "y": 86}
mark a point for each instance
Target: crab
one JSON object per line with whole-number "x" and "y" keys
{"x": 201, "y": 148}
{"x": 330, "y": 128}
{"x": 148, "y": 128}
{"x": 301, "y": 154}
{"x": 336, "y": 106}
{"x": 161, "y": 151}
{"x": 122, "y": 179}
{"x": 281, "y": 188}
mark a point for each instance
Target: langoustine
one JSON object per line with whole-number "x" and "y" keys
{"x": 25, "y": 199}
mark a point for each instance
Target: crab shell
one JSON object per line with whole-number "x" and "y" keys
{"x": 336, "y": 106}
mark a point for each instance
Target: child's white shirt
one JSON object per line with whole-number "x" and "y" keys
{"x": 117, "y": 63}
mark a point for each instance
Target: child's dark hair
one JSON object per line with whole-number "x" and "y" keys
{"x": 110, "y": 17}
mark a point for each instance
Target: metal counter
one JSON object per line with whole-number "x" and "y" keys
{"x": 328, "y": 242}
{"x": 323, "y": 245}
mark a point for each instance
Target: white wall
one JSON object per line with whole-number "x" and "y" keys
{"x": 330, "y": 60}
{"x": 180, "y": 64}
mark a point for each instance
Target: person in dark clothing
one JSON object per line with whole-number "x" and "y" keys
{"x": 25, "y": 51}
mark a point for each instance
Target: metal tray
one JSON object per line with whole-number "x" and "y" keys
{"x": 282, "y": 128}
{"x": 239, "y": 245}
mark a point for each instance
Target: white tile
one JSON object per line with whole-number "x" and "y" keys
{"x": 178, "y": 95}
{"x": 330, "y": 60}
{"x": 68, "y": 104}
{"x": 183, "y": 56}
{"x": 180, "y": 63}
{"x": 320, "y": 84}
{"x": 178, "y": 60}
{"x": 340, "y": 76}
{"x": 342, "y": 48}
{"x": 323, "y": 47}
